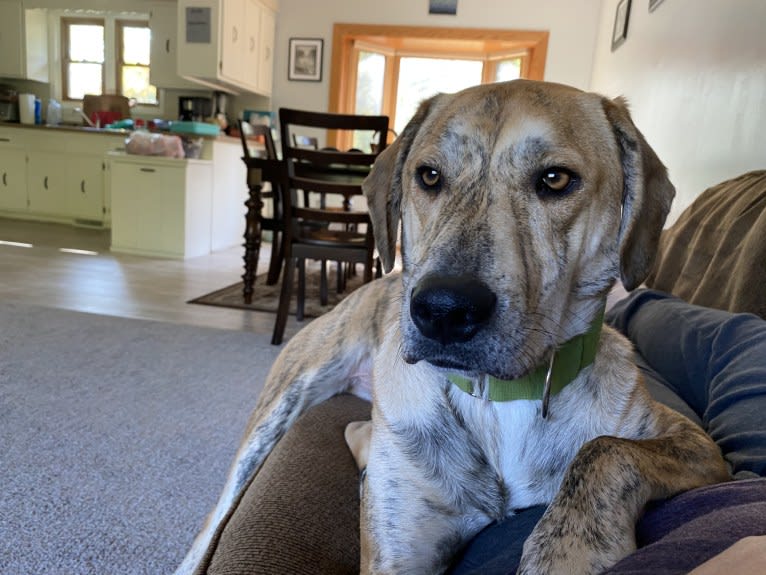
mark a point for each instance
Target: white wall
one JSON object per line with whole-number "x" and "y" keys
{"x": 694, "y": 72}
{"x": 573, "y": 25}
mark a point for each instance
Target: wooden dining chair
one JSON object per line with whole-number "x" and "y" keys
{"x": 259, "y": 136}
{"x": 315, "y": 231}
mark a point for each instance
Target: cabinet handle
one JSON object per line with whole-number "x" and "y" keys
{"x": 252, "y": 44}
{"x": 234, "y": 34}
{"x": 167, "y": 45}
{"x": 5, "y": 140}
{"x": 82, "y": 186}
{"x": 45, "y": 182}
{"x": 5, "y": 178}
{"x": 151, "y": 170}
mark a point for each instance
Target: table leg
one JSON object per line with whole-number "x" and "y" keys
{"x": 252, "y": 245}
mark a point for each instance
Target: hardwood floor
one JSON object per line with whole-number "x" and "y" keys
{"x": 35, "y": 270}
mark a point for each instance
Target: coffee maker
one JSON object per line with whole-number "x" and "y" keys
{"x": 9, "y": 104}
{"x": 194, "y": 108}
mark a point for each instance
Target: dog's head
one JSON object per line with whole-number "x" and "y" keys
{"x": 520, "y": 205}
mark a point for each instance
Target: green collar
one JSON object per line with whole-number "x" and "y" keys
{"x": 567, "y": 362}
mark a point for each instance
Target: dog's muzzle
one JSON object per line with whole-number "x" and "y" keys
{"x": 451, "y": 309}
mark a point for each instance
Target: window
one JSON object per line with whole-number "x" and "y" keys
{"x": 82, "y": 57}
{"x": 133, "y": 48}
{"x": 106, "y": 55}
{"x": 378, "y": 69}
{"x": 507, "y": 69}
{"x": 421, "y": 78}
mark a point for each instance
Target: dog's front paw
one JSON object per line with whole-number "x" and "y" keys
{"x": 574, "y": 544}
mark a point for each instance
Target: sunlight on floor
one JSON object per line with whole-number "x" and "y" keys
{"x": 79, "y": 252}
{"x": 15, "y": 244}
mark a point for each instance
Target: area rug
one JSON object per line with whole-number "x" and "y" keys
{"x": 266, "y": 297}
{"x": 116, "y": 437}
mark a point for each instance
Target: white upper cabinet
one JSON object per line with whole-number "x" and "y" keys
{"x": 163, "y": 22}
{"x": 23, "y": 42}
{"x": 227, "y": 44}
{"x": 266, "y": 51}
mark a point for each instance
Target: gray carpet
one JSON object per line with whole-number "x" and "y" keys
{"x": 115, "y": 437}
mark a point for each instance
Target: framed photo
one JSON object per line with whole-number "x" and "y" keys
{"x": 653, "y": 4}
{"x": 442, "y": 7}
{"x": 621, "y": 17}
{"x": 305, "y": 59}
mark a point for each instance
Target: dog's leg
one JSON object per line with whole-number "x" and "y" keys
{"x": 590, "y": 525}
{"x": 409, "y": 524}
{"x": 357, "y": 437}
{"x": 325, "y": 358}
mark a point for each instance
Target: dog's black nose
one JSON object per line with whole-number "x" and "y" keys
{"x": 451, "y": 309}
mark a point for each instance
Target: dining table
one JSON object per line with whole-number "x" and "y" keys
{"x": 261, "y": 170}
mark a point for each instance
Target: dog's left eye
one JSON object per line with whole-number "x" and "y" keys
{"x": 429, "y": 178}
{"x": 555, "y": 181}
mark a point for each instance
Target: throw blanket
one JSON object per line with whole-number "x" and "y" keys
{"x": 715, "y": 254}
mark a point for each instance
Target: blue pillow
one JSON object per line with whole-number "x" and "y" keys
{"x": 714, "y": 360}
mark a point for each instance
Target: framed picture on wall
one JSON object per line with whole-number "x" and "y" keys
{"x": 621, "y": 18}
{"x": 442, "y": 7}
{"x": 305, "y": 62}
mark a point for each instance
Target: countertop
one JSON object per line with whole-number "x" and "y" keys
{"x": 108, "y": 131}
{"x": 64, "y": 128}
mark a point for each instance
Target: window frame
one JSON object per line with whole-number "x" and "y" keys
{"x": 66, "y": 22}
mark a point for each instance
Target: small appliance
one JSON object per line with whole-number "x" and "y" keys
{"x": 9, "y": 104}
{"x": 194, "y": 108}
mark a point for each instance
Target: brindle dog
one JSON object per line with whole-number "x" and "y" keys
{"x": 520, "y": 205}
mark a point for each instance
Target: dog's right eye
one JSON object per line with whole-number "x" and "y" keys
{"x": 429, "y": 178}
{"x": 556, "y": 181}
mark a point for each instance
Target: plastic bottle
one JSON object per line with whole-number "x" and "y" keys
{"x": 53, "y": 114}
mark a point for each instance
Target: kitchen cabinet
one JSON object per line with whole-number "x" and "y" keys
{"x": 47, "y": 184}
{"x": 85, "y": 202}
{"x": 13, "y": 175}
{"x": 55, "y": 174}
{"x": 234, "y": 28}
{"x": 227, "y": 45}
{"x": 23, "y": 42}
{"x": 266, "y": 51}
{"x": 74, "y": 163}
{"x": 163, "y": 23}
{"x": 160, "y": 207}
{"x": 67, "y": 187}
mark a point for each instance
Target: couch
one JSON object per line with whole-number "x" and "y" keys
{"x": 700, "y": 341}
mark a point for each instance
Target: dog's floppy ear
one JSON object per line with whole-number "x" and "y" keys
{"x": 383, "y": 187}
{"x": 646, "y": 197}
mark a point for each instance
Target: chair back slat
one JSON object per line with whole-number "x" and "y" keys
{"x": 290, "y": 118}
{"x": 328, "y": 157}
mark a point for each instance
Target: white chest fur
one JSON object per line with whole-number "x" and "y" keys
{"x": 470, "y": 444}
